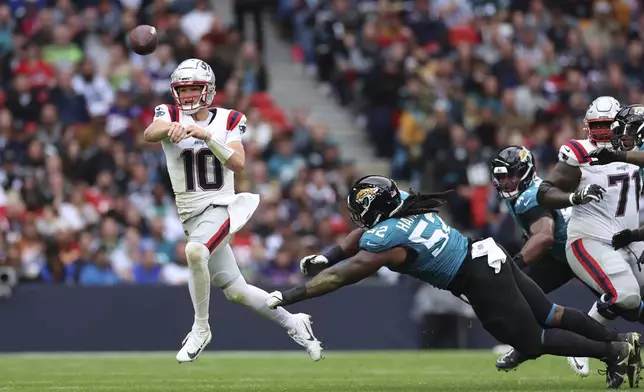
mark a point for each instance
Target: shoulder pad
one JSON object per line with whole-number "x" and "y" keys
{"x": 526, "y": 201}
{"x": 234, "y": 118}
{"x": 573, "y": 153}
{"x": 378, "y": 239}
{"x": 165, "y": 112}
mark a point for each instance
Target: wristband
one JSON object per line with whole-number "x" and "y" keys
{"x": 221, "y": 151}
{"x": 296, "y": 294}
{"x": 572, "y": 203}
{"x": 518, "y": 260}
{"x": 334, "y": 255}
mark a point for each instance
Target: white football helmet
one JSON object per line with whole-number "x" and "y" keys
{"x": 598, "y": 120}
{"x": 193, "y": 72}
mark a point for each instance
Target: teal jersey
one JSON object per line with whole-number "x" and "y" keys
{"x": 525, "y": 210}
{"x": 439, "y": 249}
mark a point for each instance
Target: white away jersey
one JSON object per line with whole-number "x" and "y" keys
{"x": 198, "y": 178}
{"x": 620, "y": 208}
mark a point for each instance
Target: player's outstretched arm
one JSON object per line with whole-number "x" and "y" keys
{"x": 542, "y": 236}
{"x": 557, "y": 189}
{"x": 603, "y": 156}
{"x": 358, "y": 267}
{"x": 231, "y": 153}
{"x": 156, "y": 131}
{"x": 311, "y": 265}
{"x": 635, "y": 157}
{"x": 163, "y": 127}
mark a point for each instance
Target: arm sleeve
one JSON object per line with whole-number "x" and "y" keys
{"x": 161, "y": 112}
{"x": 237, "y": 133}
{"x": 573, "y": 153}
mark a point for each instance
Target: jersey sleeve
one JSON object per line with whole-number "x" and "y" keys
{"x": 377, "y": 239}
{"x": 528, "y": 209}
{"x": 162, "y": 112}
{"x": 573, "y": 153}
{"x": 235, "y": 126}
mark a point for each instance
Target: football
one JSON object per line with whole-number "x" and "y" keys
{"x": 144, "y": 39}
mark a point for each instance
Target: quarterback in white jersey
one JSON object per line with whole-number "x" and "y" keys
{"x": 204, "y": 149}
{"x": 605, "y": 200}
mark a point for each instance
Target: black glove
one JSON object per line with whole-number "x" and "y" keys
{"x": 518, "y": 260}
{"x": 587, "y": 194}
{"x": 624, "y": 238}
{"x": 604, "y": 156}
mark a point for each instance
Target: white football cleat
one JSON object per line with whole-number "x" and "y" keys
{"x": 193, "y": 345}
{"x": 302, "y": 333}
{"x": 581, "y": 366}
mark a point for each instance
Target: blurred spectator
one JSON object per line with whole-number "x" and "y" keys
{"x": 442, "y": 85}
{"x": 98, "y": 273}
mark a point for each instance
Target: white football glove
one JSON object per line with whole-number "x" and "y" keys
{"x": 309, "y": 260}
{"x": 274, "y": 299}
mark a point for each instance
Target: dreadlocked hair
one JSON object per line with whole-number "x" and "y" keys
{"x": 421, "y": 203}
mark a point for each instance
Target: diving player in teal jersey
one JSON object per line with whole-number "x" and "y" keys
{"x": 406, "y": 234}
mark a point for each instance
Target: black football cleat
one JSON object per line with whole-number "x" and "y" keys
{"x": 617, "y": 364}
{"x": 510, "y": 360}
{"x": 635, "y": 361}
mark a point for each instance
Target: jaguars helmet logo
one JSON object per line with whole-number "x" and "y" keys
{"x": 366, "y": 196}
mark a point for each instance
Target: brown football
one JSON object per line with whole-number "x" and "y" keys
{"x": 144, "y": 39}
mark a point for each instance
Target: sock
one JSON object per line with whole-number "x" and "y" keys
{"x": 576, "y": 321}
{"x": 199, "y": 283}
{"x": 594, "y": 314}
{"x": 568, "y": 344}
{"x": 255, "y": 298}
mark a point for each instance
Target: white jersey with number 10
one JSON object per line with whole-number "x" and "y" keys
{"x": 198, "y": 178}
{"x": 618, "y": 210}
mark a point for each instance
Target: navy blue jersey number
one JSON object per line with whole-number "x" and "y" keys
{"x": 625, "y": 181}
{"x": 200, "y": 162}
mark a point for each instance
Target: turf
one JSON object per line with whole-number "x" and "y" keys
{"x": 361, "y": 372}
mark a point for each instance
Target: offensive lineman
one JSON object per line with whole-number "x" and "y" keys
{"x": 605, "y": 200}
{"x": 203, "y": 150}
{"x": 630, "y": 128}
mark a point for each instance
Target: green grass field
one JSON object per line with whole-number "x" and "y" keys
{"x": 361, "y": 372}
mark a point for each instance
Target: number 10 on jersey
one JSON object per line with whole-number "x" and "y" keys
{"x": 209, "y": 171}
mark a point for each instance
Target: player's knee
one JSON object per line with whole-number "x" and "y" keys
{"x": 235, "y": 292}
{"x": 628, "y": 300}
{"x": 196, "y": 253}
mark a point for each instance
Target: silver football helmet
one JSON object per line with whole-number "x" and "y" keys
{"x": 193, "y": 72}
{"x": 598, "y": 120}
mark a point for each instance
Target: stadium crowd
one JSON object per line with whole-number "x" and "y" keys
{"x": 441, "y": 85}
{"x": 84, "y": 200}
